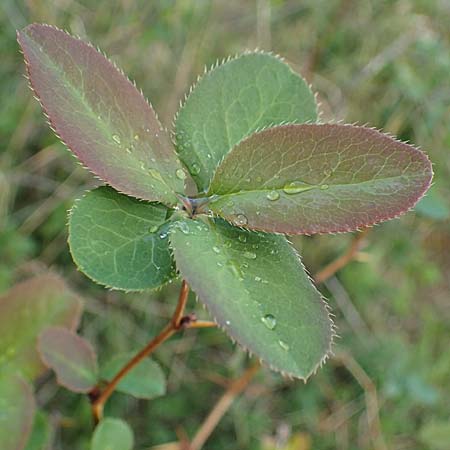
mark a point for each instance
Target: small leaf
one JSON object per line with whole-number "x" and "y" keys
{"x": 112, "y": 434}
{"x": 16, "y": 412}
{"x": 40, "y": 435}
{"x": 100, "y": 115}
{"x": 146, "y": 380}
{"x": 119, "y": 241}
{"x": 233, "y": 100}
{"x": 305, "y": 179}
{"x": 71, "y": 357}
{"x": 25, "y": 311}
{"x": 255, "y": 287}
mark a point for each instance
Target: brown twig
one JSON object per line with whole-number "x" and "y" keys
{"x": 177, "y": 322}
{"x": 222, "y": 406}
{"x": 329, "y": 270}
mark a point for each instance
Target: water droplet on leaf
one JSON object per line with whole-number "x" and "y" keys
{"x": 241, "y": 219}
{"x": 153, "y": 229}
{"x": 116, "y": 138}
{"x": 242, "y": 238}
{"x": 269, "y": 321}
{"x": 216, "y": 249}
{"x": 195, "y": 169}
{"x": 283, "y": 345}
{"x": 324, "y": 186}
{"x": 249, "y": 255}
{"x": 273, "y": 195}
{"x": 181, "y": 174}
{"x": 297, "y": 186}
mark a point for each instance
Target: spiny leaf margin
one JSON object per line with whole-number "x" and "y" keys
{"x": 258, "y": 199}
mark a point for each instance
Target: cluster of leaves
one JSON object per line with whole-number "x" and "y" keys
{"x": 38, "y": 318}
{"x": 262, "y": 168}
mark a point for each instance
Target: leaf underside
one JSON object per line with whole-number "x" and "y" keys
{"x": 17, "y": 411}
{"x": 305, "y": 179}
{"x": 255, "y": 287}
{"x": 25, "y": 311}
{"x": 112, "y": 434}
{"x": 100, "y": 115}
{"x": 119, "y": 241}
{"x": 146, "y": 380}
{"x": 71, "y": 357}
{"x": 231, "y": 101}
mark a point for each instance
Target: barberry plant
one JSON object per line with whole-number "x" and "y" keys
{"x": 248, "y": 163}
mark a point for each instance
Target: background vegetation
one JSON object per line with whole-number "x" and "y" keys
{"x": 385, "y": 63}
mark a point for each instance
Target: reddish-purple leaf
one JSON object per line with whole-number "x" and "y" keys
{"x": 71, "y": 357}
{"x": 100, "y": 115}
{"x": 17, "y": 411}
{"x": 27, "y": 309}
{"x": 305, "y": 179}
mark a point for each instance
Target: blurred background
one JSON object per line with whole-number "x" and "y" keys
{"x": 382, "y": 63}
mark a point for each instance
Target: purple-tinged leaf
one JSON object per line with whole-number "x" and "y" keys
{"x": 16, "y": 412}
{"x": 26, "y": 310}
{"x": 71, "y": 357}
{"x": 100, "y": 115}
{"x": 306, "y": 179}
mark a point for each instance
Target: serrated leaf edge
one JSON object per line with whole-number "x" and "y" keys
{"x": 328, "y": 353}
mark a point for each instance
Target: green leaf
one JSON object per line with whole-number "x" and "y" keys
{"x": 40, "y": 435}
{"x": 233, "y": 100}
{"x": 119, "y": 241}
{"x": 16, "y": 412}
{"x": 255, "y": 287}
{"x": 146, "y": 380}
{"x": 25, "y": 311}
{"x": 112, "y": 434}
{"x": 305, "y": 179}
{"x": 100, "y": 115}
{"x": 71, "y": 357}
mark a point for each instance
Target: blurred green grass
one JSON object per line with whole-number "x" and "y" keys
{"x": 384, "y": 63}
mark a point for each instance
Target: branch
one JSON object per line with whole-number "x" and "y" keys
{"x": 177, "y": 322}
{"x": 222, "y": 406}
{"x": 329, "y": 270}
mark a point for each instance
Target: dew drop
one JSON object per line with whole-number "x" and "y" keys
{"x": 153, "y": 229}
{"x": 297, "y": 186}
{"x": 237, "y": 272}
{"x": 242, "y": 238}
{"x": 136, "y": 137}
{"x": 283, "y": 345}
{"x": 219, "y": 264}
{"x": 241, "y": 219}
{"x": 181, "y": 174}
{"x": 116, "y": 138}
{"x": 324, "y": 187}
{"x": 216, "y": 249}
{"x": 249, "y": 255}
{"x": 183, "y": 227}
{"x": 195, "y": 169}
{"x": 273, "y": 195}
{"x": 258, "y": 279}
{"x": 269, "y": 321}
{"x": 127, "y": 149}
{"x": 227, "y": 322}
{"x": 163, "y": 235}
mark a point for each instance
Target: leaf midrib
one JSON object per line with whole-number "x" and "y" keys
{"x": 314, "y": 187}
